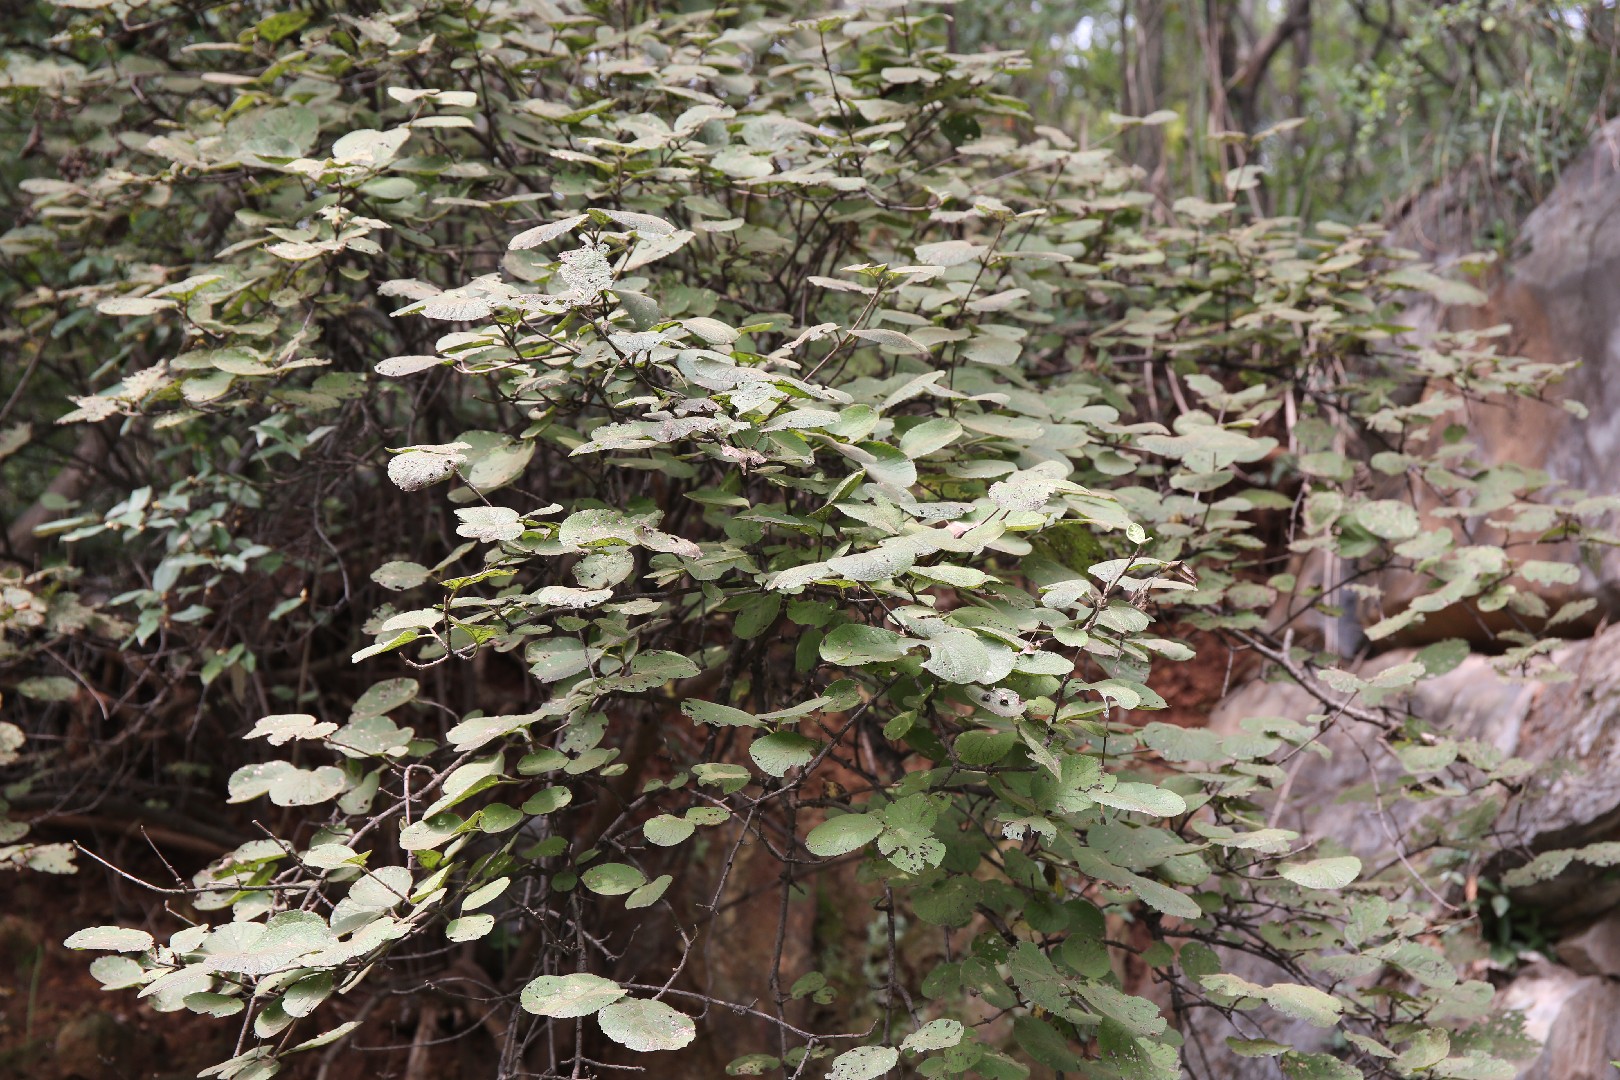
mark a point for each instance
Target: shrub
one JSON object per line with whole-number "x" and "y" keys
{"x": 790, "y": 413}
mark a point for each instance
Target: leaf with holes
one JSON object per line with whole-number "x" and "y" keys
{"x": 864, "y": 1063}
{"x": 645, "y": 1025}
{"x": 568, "y": 996}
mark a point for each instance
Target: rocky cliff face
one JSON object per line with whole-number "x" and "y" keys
{"x": 1556, "y": 732}
{"x": 1558, "y": 739}
{"x": 1565, "y": 728}
{"x": 1558, "y": 295}
{"x": 1562, "y": 297}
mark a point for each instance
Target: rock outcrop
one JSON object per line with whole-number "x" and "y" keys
{"x": 1566, "y": 729}
{"x": 1560, "y": 296}
{"x": 1573, "y": 1016}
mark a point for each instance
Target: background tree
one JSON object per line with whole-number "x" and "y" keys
{"x": 1487, "y": 98}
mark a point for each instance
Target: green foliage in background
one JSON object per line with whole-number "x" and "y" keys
{"x": 568, "y": 439}
{"x": 1483, "y": 100}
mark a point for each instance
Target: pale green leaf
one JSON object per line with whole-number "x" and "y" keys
{"x": 1334, "y": 873}
{"x": 843, "y": 834}
{"x": 864, "y": 1063}
{"x": 613, "y": 879}
{"x": 110, "y": 939}
{"x": 644, "y": 1025}
{"x": 567, "y": 996}
{"x": 782, "y": 751}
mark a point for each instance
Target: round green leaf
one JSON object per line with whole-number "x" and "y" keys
{"x": 644, "y": 1025}
{"x": 929, "y": 436}
{"x": 110, "y": 939}
{"x": 667, "y": 830}
{"x": 1388, "y": 519}
{"x": 385, "y": 696}
{"x": 284, "y": 727}
{"x": 960, "y": 656}
{"x": 306, "y": 787}
{"x": 216, "y": 1005}
{"x": 1323, "y": 873}
{"x": 855, "y": 644}
{"x": 133, "y": 305}
{"x": 380, "y": 889}
{"x": 325, "y": 1038}
{"x": 117, "y": 972}
{"x": 707, "y": 815}
{"x": 565, "y": 996}
{"x": 649, "y": 894}
{"x": 1316, "y": 1007}
{"x": 934, "y": 1035}
{"x": 753, "y": 1065}
{"x": 430, "y": 832}
{"x": 48, "y": 688}
{"x": 276, "y": 945}
{"x": 864, "y": 1063}
{"x": 485, "y": 893}
{"x": 400, "y": 576}
{"x": 498, "y": 817}
{"x": 369, "y": 147}
{"x": 551, "y": 660}
{"x": 469, "y": 927}
{"x": 613, "y": 879}
{"x": 984, "y": 747}
{"x": 303, "y": 996}
{"x": 1141, "y": 799}
{"x": 548, "y": 800}
{"x": 1443, "y": 656}
{"x": 949, "y": 252}
{"x": 889, "y": 466}
{"x": 1254, "y": 1048}
{"x": 712, "y": 712}
{"x": 841, "y": 835}
{"x": 783, "y": 750}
